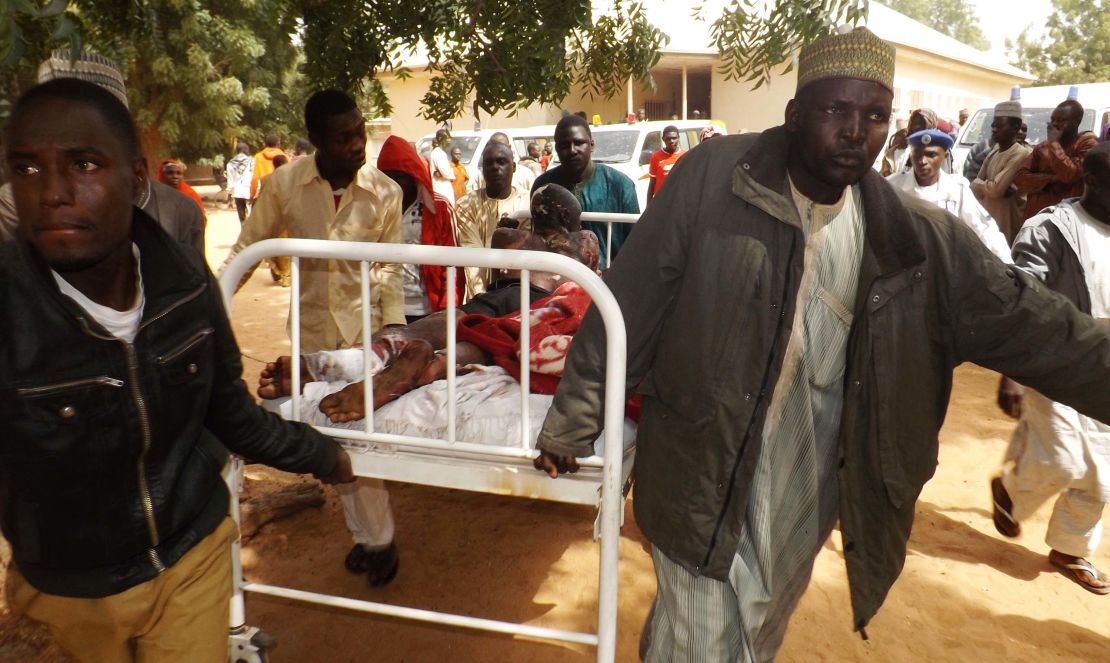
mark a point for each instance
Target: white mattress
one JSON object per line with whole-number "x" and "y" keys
{"x": 488, "y": 410}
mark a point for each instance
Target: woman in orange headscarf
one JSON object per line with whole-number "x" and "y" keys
{"x": 171, "y": 172}
{"x": 401, "y": 163}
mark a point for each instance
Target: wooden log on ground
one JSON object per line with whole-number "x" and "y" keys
{"x": 285, "y": 501}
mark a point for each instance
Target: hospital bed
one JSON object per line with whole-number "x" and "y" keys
{"x": 450, "y": 462}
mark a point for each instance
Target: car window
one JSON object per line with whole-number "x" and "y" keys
{"x": 520, "y": 144}
{"x": 614, "y": 146}
{"x": 690, "y": 138}
{"x": 653, "y": 141}
{"x": 467, "y": 145}
{"x": 979, "y": 127}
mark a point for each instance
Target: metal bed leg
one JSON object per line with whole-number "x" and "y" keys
{"x": 246, "y": 644}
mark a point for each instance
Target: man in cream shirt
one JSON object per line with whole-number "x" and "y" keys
{"x": 335, "y": 195}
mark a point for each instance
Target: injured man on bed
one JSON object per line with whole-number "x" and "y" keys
{"x": 412, "y": 356}
{"x": 408, "y": 364}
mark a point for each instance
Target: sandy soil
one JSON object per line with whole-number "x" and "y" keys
{"x": 965, "y": 593}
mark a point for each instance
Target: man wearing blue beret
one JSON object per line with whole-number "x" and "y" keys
{"x": 928, "y": 182}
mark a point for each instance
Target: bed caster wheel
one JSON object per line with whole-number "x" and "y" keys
{"x": 250, "y": 644}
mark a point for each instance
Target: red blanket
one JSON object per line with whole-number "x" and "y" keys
{"x": 553, "y": 320}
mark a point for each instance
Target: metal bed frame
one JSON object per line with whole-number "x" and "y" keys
{"x": 491, "y": 469}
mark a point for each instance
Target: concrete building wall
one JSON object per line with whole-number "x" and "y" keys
{"x": 742, "y": 108}
{"x": 406, "y": 121}
{"x": 921, "y": 80}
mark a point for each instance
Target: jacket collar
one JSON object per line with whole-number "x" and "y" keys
{"x": 760, "y": 178}
{"x": 168, "y": 276}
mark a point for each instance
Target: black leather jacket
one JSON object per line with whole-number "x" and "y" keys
{"x": 110, "y": 453}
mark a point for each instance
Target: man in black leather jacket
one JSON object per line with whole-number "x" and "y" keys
{"x": 120, "y": 393}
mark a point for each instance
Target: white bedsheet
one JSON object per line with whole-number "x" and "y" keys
{"x": 488, "y": 410}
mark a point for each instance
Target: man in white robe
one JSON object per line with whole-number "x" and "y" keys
{"x": 443, "y": 175}
{"x": 928, "y": 181}
{"x": 1056, "y": 451}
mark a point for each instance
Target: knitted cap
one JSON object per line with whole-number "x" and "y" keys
{"x": 90, "y": 67}
{"x": 855, "y": 54}
{"x": 1008, "y": 109}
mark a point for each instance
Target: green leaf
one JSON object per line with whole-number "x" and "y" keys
{"x": 12, "y": 48}
{"x": 64, "y": 29}
{"x": 55, "y": 8}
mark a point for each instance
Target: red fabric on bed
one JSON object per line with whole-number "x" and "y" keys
{"x": 554, "y": 321}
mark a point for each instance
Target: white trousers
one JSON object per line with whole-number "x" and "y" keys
{"x": 366, "y": 510}
{"x": 1057, "y": 452}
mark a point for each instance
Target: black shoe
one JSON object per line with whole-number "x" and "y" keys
{"x": 380, "y": 566}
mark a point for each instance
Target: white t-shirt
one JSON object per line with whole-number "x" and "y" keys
{"x": 1096, "y": 236}
{"x": 121, "y": 324}
{"x": 416, "y": 299}
{"x": 442, "y": 174}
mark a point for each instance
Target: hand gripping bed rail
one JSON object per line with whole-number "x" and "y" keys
{"x": 611, "y": 499}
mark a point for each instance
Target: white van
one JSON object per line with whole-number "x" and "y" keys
{"x": 628, "y": 147}
{"x": 472, "y": 143}
{"x": 1037, "y": 104}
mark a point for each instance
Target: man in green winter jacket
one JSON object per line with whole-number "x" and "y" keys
{"x": 793, "y": 323}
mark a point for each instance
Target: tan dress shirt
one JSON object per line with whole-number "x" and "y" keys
{"x": 299, "y": 201}
{"x": 994, "y": 180}
{"x": 477, "y": 216}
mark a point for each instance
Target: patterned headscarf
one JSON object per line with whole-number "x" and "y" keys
{"x": 929, "y": 115}
{"x": 181, "y": 186}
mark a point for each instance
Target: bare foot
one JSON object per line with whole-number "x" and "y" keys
{"x": 276, "y": 378}
{"x": 1082, "y": 572}
{"x": 347, "y": 404}
{"x": 400, "y": 377}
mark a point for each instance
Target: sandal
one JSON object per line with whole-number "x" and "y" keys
{"x": 1071, "y": 571}
{"x": 1003, "y": 521}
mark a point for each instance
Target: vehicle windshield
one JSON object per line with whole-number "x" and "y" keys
{"x": 466, "y": 144}
{"x": 614, "y": 146}
{"x": 979, "y": 127}
{"x": 520, "y": 144}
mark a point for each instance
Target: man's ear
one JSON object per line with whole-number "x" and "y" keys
{"x": 140, "y": 177}
{"x": 793, "y": 110}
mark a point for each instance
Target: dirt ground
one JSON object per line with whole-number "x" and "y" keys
{"x": 965, "y": 594}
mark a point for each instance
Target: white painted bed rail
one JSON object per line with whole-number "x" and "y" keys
{"x": 510, "y": 461}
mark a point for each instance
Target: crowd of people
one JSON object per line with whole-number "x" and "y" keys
{"x": 1046, "y": 210}
{"x": 858, "y": 293}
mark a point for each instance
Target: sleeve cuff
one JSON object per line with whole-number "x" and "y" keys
{"x": 553, "y": 446}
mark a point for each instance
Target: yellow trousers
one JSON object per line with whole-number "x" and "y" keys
{"x": 178, "y": 617}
